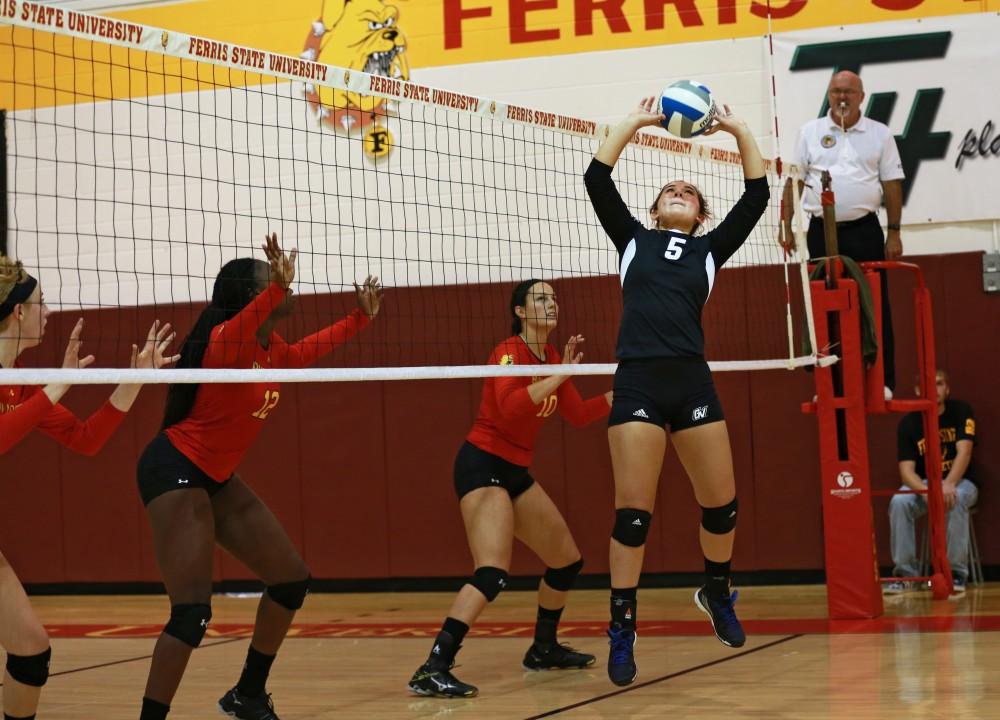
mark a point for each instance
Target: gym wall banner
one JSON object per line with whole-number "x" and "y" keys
{"x": 932, "y": 82}
{"x": 455, "y": 32}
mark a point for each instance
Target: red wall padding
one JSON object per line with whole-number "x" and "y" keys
{"x": 360, "y": 473}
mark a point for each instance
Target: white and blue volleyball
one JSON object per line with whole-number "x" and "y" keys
{"x": 689, "y": 108}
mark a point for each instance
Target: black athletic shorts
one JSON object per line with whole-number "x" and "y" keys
{"x": 475, "y": 468}
{"x": 163, "y": 468}
{"x": 678, "y": 392}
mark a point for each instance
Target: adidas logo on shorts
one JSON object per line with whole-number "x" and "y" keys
{"x": 638, "y": 522}
{"x": 640, "y": 413}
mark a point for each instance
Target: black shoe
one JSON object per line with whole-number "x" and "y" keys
{"x": 621, "y": 660}
{"x": 724, "y": 621}
{"x": 438, "y": 681}
{"x": 240, "y": 706}
{"x": 556, "y": 657}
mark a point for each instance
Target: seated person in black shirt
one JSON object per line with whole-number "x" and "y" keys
{"x": 957, "y": 430}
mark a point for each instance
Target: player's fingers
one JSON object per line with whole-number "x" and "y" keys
{"x": 162, "y": 333}
{"x": 85, "y": 362}
{"x": 164, "y": 344}
{"x": 154, "y": 333}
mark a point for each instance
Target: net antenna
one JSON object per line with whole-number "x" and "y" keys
{"x": 142, "y": 159}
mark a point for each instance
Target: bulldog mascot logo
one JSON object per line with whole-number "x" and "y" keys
{"x": 358, "y": 35}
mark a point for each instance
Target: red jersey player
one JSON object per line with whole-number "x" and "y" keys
{"x": 23, "y": 315}
{"x": 206, "y": 432}
{"x": 499, "y": 500}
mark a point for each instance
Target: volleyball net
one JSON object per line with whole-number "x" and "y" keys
{"x": 140, "y": 160}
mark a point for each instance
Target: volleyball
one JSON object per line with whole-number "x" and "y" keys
{"x": 689, "y": 108}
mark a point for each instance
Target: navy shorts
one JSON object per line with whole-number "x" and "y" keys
{"x": 163, "y": 468}
{"x": 475, "y": 468}
{"x": 678, "y": 392}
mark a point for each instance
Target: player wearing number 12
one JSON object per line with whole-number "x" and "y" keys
{"x": 662, "y": 380}
{"x": 500, "y": 501}
{"x": 188, "y": 483}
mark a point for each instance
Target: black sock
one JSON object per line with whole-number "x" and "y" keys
{"x": 546, "y": 623}
{"x": 255, "y": 672}
{"x": 447, "y": 642}
{"x": 717, "y": 578}
{"x": 152, "y": 710}
{"x": 11, "y": 717}
{"x": 623, "y": 604}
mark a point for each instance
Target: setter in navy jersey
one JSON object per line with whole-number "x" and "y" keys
{"x": 667, "y": 273}
{"x": 23, "y": 315}
{"x": 193, "y": 496}
{"x": 500, "y": 501}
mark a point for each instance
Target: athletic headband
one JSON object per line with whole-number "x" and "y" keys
{"x": 20, "y": 294}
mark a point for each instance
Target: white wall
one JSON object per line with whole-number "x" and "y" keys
{"x": 604, "y": 85}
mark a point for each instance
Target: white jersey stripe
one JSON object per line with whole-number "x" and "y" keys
{"x": 709, "y": 272}
{"x": 627, "y": 258}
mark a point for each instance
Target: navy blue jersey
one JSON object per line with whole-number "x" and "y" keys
{"x": 667, "y": 275}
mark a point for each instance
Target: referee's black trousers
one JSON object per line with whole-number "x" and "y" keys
{"x": 862, "y": 240}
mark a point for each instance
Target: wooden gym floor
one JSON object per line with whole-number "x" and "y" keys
{"x": 350, "y": 656}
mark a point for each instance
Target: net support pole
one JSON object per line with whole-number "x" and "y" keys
{"x": 3, "y": 182}
{"x": 853, "y": 589}
{"x": 925, "y": 404}
{"x": 802, "y": 248}
{"x": 941, "y": 583}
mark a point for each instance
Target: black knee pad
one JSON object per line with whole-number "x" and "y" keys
{"x": 290, "y": 595}
{"x": 720, "y": 520}
{"x": 489, "y": 581}
{"x": 188, "y": 623}
{"x": 30, "y": 670}
{"x": 564, "y": 578}
{"x": 631, "y": 526}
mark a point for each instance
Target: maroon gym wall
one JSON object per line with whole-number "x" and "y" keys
{"x": 360, "y": 473}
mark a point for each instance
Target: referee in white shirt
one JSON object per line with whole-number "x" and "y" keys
{"x": 866, "y": 171}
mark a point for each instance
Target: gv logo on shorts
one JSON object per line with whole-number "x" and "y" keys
{"x": 700, "y": 413}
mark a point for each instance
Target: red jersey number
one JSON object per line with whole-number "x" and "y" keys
{"x": 548, "y": 406}
{"x": 271, "y": 398}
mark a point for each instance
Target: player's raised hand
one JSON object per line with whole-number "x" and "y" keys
{"x": 726, "y": 121}
{"x": 282, "y": 266}
{"x": 72, "y": 357}
{"x": 570, "y": 355}
{"x": 369, "y": 295}
{"x": 153, "y": 355}
{"x": 647, "y": 113}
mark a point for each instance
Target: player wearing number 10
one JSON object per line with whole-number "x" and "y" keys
{"x": 663, "y": 380}
{"x": 500, "y": 501}
{"x": 193, "y": 496}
